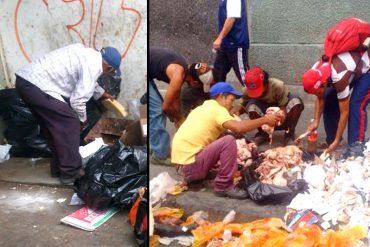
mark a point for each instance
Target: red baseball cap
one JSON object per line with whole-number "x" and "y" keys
{"x": 254, "y": 79}
{"x": 315, "y": 77}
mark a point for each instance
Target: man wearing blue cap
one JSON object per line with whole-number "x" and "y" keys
{"x": 197, "y": 146}
{"x": 56, "y": 88}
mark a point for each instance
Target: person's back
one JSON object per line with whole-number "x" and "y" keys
{"x": 58, "y": 71}
{"x": 159, "y": 59}
{"x": 238, "y": 35}
{"x": 232, "y": 42}
{"x": 202, "y": 126}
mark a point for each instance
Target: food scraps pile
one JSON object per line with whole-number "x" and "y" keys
{"x": 245, "y": 150}
{"x": 279, "y": 164}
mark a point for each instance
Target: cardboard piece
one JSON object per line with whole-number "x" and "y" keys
{"x": 88, "y": 219}
{"x": 132, "y": 135}
{"x": 112, "y": 129}
{"x": 115, "y": 107}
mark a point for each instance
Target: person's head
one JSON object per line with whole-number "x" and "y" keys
{"x": 315, "y": 79}
{"x": 256, "y": 80}
{"x": 224, "y": 94}
{"x": 111, "y": 59}
{"x": 200, "y": 75}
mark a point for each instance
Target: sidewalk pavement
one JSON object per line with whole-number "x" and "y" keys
{"x": 30, "y": 214}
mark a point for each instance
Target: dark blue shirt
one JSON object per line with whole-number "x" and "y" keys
{"x": 238, "y": 36}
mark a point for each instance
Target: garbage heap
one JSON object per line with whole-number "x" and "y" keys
{"x": 331, "y": 209}
{"x": 338, "y": 194}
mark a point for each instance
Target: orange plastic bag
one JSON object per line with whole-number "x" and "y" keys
{"x": 168, "y": 212}
{"x": 343, "y": 238}
{"x": 153, "y": 241}
{"x": 206, "y": 232}
{"x": 133, "y": 211}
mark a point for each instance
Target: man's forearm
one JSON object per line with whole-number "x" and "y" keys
{"x": 228, "y": 25}
{"x": 319, "y": 108}
{"x": 341, "y": 126}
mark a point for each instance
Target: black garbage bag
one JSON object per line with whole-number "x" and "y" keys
{"x": 112, "y": 176}
{"x": 141, "y": 222}
{"x": 111, "y": 82}
{"x": 307, "y": 157}
{"x": 22, "y": 131}
{"x": 268, "y": 193}
{"x": 144, "y": 99}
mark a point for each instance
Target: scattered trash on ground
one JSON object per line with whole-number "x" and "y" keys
{"x": 163, "y": 184}
{"x": 75, "y": 200}
{"x": 4, "y": 152}
{"x": 60, "y": 200}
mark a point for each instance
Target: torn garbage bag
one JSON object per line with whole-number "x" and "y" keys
{"x": 112, "y": 176}
{"x": 268, "y": 193}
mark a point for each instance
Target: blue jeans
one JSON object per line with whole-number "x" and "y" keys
{"x": 357, "y": 120}
{"x": 159, "y": 139}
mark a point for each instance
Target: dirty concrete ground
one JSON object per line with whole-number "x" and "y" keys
{"x": 30, "y": 214}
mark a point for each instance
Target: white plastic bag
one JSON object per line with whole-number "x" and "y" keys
{"x": 160, "y": 186}
{"x": 4, "y": 152}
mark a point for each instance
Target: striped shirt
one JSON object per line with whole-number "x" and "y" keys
{"x": 346, "y": 68}
{"x": 69, "y": 72}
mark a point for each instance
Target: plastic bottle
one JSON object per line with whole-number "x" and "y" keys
{"x": 312, "y": 142}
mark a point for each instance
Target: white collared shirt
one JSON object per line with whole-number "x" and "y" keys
{"x": 70, "y": 72}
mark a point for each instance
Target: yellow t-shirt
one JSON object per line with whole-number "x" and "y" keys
{"x": 202, "y": 126}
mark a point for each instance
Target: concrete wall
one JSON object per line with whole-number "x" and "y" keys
{"x": 286, "y": 36}
{"x": 31, "y": 28}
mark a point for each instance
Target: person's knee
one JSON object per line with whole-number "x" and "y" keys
{"x": 253, "y": 115}
{"x": 229, "y": 142}
{"x": 296, "y": 110}
{"x": 254, "y": 111}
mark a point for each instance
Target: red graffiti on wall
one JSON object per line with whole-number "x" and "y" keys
{"x": 72, "y": 27}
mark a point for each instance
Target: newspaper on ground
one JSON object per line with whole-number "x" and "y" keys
{"x": 88, "y": 219}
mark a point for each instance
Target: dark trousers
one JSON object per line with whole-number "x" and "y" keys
{"x": 357, "y": 120}
{"x": 59, "y": 124}
{"x": 234, "y": 58}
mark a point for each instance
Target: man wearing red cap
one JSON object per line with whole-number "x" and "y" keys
{"x": 264, "y": 92}
{"x": 343, "y": 93}
{"x": 197, "y": 146}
